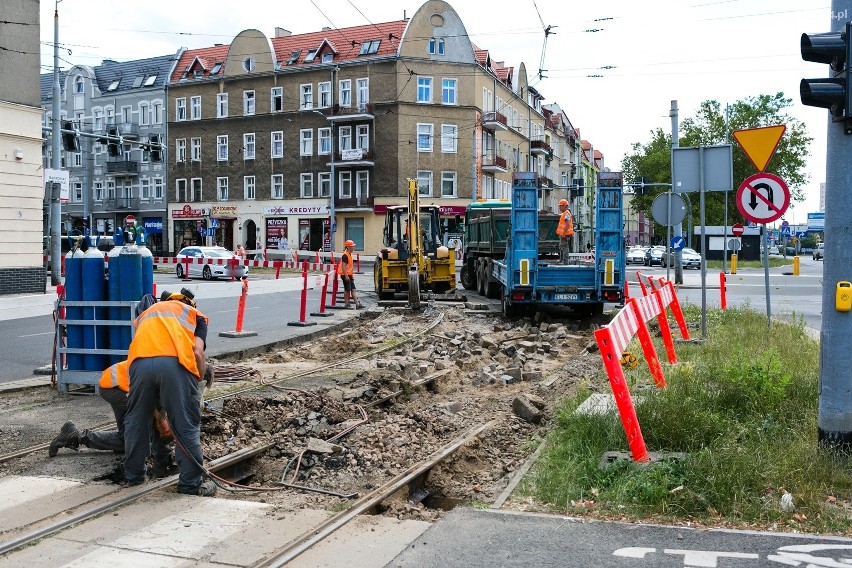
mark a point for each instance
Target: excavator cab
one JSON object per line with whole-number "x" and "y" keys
{"x": 397, "y": 230}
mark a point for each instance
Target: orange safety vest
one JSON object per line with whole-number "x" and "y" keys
{"x": 116, "y": 376}
{"x": 566, "y": 224}
{"x": 344, "y": 267}
{"x": 166, "y": 329}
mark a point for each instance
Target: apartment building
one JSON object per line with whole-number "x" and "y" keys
{"x": 108, "y": 182}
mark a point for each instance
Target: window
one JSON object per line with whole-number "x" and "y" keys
{"x": 306, "y": 97}
{"x": 98, "y": 119}
{"x": 363, "y": 87}
{"x": 180, "y": 150}
{"x": 158, "y": 188}
{"x": 99, "y": 190}
{"x": 144, "y": 114}
{"x": 278, "y": 186}
{"x": 276, "y": 99}
{"x": 114, "y": 85}
{"x": 222, "y": 148}
{"x": 180, "y": 109}
{"x": 344, "y": 185}
{"x": 248, "y": 103}
{"x": 311, "y": 55}
{"x": 249, "y": 64}
{"x": 306, "y": 185}
{"x": 195, "y": 108}
{"x": 221, "y": 105}
{"x": 354, "y": 229}
{"x": 126, "y": 114}
{"x": 248, "y": 146}
{"x": 77, "y": 159}
{"x": 436, "y": 46}
{"x": 248, "y": 187}
{"x": 110, "y": 184}
{"x": 150, "y": 80}
{"x": 448, "y": 184}
{"x": 449, "y": 138}
{"x": 146, "y": 154}
{"x": 137, "y": 82}
{"x": 306, "y": 145}
{"x": 78, "y": 192}
{"x": 424, "y": 183}
{"x": 324, "y": 94}
{"x": 345, "y": 93}
{"x": 424, "y": 137}
{"x": 157, "y": 113}
{"x": 222, "y": 188}
{"x": 448, "y": 91}
{"x": 196, "y": 189}
{"x": 181, "y": 194}
{"x": 344, "y": 137}
{"x": 362, "y": 136}
{"x": 324, "y": 184}
{"x": 327, "y": 57}
{"x": 324, "y": 141}
{"x": 278, "y": 144}
{"x": 362, "y": 184}
{"x": 195, "y": 149}
{"x": 370, "y": 47}
{"x": 110, "y": 115}
{"x": 487, "y": 187}
{"x": 487, "y": 101}
{"x": 79, "y": 85}
{"x": 145, "y": 188}
{"x": 424, "y": 89}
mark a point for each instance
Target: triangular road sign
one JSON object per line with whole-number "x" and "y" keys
{"x": 759, "y": 143}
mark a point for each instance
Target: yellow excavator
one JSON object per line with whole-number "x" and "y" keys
{"x": 412, "y": 258}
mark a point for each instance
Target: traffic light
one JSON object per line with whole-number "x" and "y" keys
{"x": 155, "y": 147}
{"x": 113, "y": 141}
{"x": 70, "y": 138}
{"x": 835, "y": 93}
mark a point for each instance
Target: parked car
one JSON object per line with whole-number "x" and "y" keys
{"x": 818, "y": 252}
{"x": 213, "y": 270}
{"x": 654, "y": 255}
{"x": 774, "y": 250}
{"x": 636, "y": 255}
{"x": 689, "y": 258}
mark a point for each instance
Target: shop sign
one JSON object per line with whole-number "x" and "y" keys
{"x": 224, "y": 211}
{"x": 296, "y": 210}
{"x": 153, "y": 225}
{"x": 187, "y": 211}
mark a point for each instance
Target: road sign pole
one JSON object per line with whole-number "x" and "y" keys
{"x": 835, "y": 381}
{"x": 668, "y": 230}
{"x": 766, "y": 276}
{"x": 704, "y": 246}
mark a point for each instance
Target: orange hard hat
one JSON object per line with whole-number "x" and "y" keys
{"x": 563, "y": 202}
{"x": 349, "y": 244}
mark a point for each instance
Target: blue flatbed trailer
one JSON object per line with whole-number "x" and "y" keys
{"x": 527, "y": 282}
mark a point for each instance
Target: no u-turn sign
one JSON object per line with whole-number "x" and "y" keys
{"x": 763, "y": 198}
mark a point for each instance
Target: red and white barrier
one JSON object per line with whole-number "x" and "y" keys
{"x": 304, "y": 300}
{"x": 322, "y": 313}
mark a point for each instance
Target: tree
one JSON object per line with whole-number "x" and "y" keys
{"x": 711, "y": 126}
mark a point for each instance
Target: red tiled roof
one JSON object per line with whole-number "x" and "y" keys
{"x": 209, "y": 55}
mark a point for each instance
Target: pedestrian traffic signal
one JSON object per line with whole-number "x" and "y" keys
{"x": 834, "y": 93}
{"x": 155, "y": 147}
{"x": 70, "y": 138}
{"x": 113, "y": 141}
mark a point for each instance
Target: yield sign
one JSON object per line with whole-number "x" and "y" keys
{"x": 763, "y": 198}
{"x": 759, "y": 144}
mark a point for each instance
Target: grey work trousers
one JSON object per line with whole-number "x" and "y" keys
{"x": 165, "y": 381}
{"x": 565, "y": 245}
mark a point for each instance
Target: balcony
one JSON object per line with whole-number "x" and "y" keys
{"x": 493, "y": 164}
{"x": 128, "y": 129}
{"x": 494, "y": 121}
{"x": 545, "y": 182}
{"x": 353, "y": 158}
{"x": 539, "y": 146}
{"x": 122, "y": 168}
{"x": 358, "y": 113}
{"x": 122, "y": 203}
{"x": 353, "y": 203}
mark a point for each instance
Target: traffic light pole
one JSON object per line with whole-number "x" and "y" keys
{"x": 835, "y": 380}
{"x": 56, "y": 163}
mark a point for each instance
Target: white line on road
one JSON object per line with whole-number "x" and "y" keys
{"x": 37, "y": 334}
{"x": 230, "y": 311}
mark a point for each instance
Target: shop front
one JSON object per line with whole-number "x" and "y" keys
{"x": 154, "y": 234}
{"x": 222, "y": 219}
{"x": 310, "y": 222}
{"x": 189, "y": 227}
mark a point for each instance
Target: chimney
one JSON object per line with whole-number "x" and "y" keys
{"x": 281, "y": 32}
{"x": 326, "y": 29}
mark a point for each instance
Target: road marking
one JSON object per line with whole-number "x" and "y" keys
{"x": 37, "y": 334}
{"x": 229, "y": 311}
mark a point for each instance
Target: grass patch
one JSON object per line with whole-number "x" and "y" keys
{"x": 742, "y": 406}
{"x": 774, "y": 262}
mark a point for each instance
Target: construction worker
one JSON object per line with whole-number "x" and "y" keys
{"x": 565, "y": 231}
{"x": 167, "y": 364}
{"x": 114, "y": 384}
{"x": 347, "y": 274}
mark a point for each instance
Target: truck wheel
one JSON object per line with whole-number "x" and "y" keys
{"x": 377, "y": 282}
{"x": 467, "y": 275}
{"x": 481, "y": 279}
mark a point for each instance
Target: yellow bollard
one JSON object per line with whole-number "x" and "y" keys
{"x": 733, "y": 263}
{"x": 796, "y": 265}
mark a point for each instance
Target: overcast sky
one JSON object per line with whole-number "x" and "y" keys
{"x": 616, "y": 84}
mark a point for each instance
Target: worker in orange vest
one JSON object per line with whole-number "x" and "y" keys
{"x": 565, "y": 231}
{"x": 346, "y": 271}
{"x": 167, "y": 366}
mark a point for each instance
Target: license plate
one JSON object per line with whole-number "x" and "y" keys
{"x": 567, "y": 296}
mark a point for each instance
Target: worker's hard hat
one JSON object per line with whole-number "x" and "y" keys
{"x": 184, "y": 296}
{"x": 563, "y": 202}
{"x": 349, "y": 244}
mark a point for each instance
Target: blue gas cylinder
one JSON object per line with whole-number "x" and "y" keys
{"x": 128, "y": 287}
{"x": 147, "y": 270}
{"x": 74, "y": 293}
{"x": 94, "y": 290}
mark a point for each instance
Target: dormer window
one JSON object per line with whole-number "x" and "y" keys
{"x": 294, "y": 57}
{"x": 79, "y": 86}
{"x": 312, "y": 53}
{"x": 137, "y": 82}
{"x": 114, "y": 85}
{"x": 327, "y": 57}
{"x": 249, "y": 64}
{"x": 369, "y": 47}
{"x": 150, "y": 80}
{"x": 436, "y": 46}
{"x": 216, "y": 68}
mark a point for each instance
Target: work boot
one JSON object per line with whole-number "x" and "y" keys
{"x": 166, "y": 469}
{"x": 69, "y": 437}
{"x": 359, "y": 306}
{"x": 206, "y": 489}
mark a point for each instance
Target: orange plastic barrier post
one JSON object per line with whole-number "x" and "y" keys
{"x": 626, "y": 290}
{"x": 186, "y": 268}
{"x": 621, "y": 392}
{"x": 647, "y": 344}
{"x": 304, "y": 300}
{"x": 674, "y": 304}
{"x": 722, "y": 291}
{"x": 322, "y": 312}
{"x": 277, "y": 264}
{"x": 318, "y": 256}
{"x": 665, "y": 328}
{"x": 154, "y": 289}
{"x": 641, "y": 277}
{"x": 241, "y": 308}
